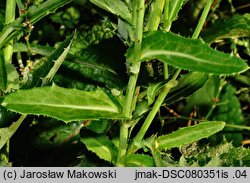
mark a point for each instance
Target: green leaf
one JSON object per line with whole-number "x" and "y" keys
{"x": 50, "y": 133}
{"x": 64, "y": 80}
{"x": 12, "y": 78}
{"x": 4, "y": 160}
{"x": 200, "y": 154}
{"x": 174, "y": 7}
{"x": 150, "y": 143}
{"x": 203, "y": 99}
{"x": 153, "y": 89}
{"x": 63, "y": 104}
{"x": 244, "y": 79}
{"x": 233, "y": 27}
{"x": 187, "y": 85}
{"x": 101, "y": 145}
{"x": 5, "y": 117}
{"x": 34, "y": 48}
{"x": 98, "y": 126}
{"x": 57, "y": 63}
{"x": 34, "y": 14}
{"x": 187, "y": 135}
{"x": 223, "y": 154}
{"x": 68, "y": 17}
{"x": 229, "y": 110}
{"x": 6, "y": 133}
{"x": 186, "y": 53}
{"x": 95, "y": 64}
{"x": 116, "y": 7}
{"x": 87, "y": 36}
{"x": 236, "y": 157}
{"x": 139, "y": 160}
{"x": 173, "y": 10}
{"x": 141, "y": 108}
{"x": 43, "y": 67}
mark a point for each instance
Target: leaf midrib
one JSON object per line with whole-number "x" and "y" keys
{"x": 67, "y": 106}
{"x": 183, "y": 55}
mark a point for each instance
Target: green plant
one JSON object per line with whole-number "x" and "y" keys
{"x": 109, "y": 101}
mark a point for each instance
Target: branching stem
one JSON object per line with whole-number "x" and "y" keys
{"x": 136, "y": 144}
{"x": 138, "y": 14}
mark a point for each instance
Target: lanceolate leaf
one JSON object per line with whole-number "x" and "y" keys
{"x": 88, "y": 64}
{"x": 63, "y": 104}
{"x": 174, "y": 7}
{"x": 95, "y": 64}
{"x": 116, "y": 7}
{"x": 203, "y": 99}
{"x": 172, "y": 12}
{"x": 34, "y": 48}
{"x": 187, "y": 135}
{"x": 43, "y": 68}
{"x": 57, "y": 63}
{"x": 187, "y": 85}
{"x": 99, "y": 126}
{"x": 50, "y": 133}
{"x": 101, "y": 145}
{"x": 185, "y": 53}
{"x": 234, "y": 27}
{"x": 139, "y": 160}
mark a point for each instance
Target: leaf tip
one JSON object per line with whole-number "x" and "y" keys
{"x": 4, "y": 104}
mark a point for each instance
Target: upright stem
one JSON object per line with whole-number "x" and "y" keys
{"x": 135, "y": 65}
{"x": 8, "y": 50}
{"x": 202, "y": 19}
{"x": 166, "y": 25}
{"x": 138, "y": 138}
{"x": 127, "y": 111}
{"x": 9, "y": 17}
